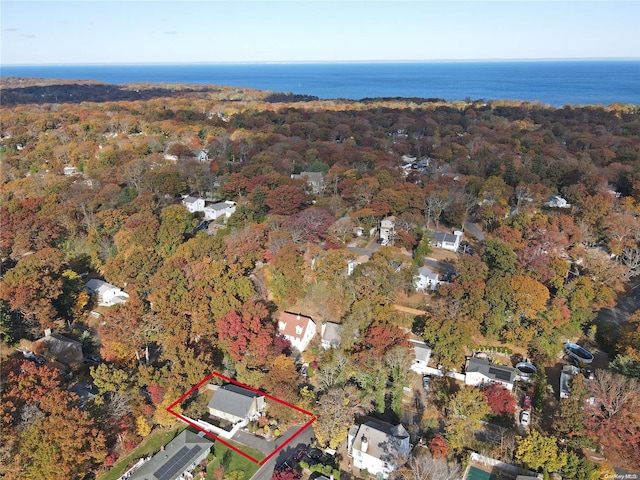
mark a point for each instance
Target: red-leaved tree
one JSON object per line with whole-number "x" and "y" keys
{"x": 285, "y": 474}
{"x": 499, "y": 399}
{"x": 438, "y": 446}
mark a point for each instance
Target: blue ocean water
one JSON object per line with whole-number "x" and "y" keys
{"x": 551, "y": 82}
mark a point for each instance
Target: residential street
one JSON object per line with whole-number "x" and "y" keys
{"x": 472, "y": 229}
{"x": 304, "y": 438}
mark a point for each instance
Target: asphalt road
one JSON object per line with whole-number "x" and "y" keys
{"x": 472, "y": 229}
{"x": 303, "y": 438}
{"x": 624, "y": 307}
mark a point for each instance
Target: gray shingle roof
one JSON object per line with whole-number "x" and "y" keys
{"x": 426, "y": 272}
{"x": 176, "y": 457}
{"x": 332, "y": 333}
{"x": 444, "y": 237}
{"x": 491, "y": 370}
{"x": 233, "y": 399}
{"x": 383, "y": 440}
{"x": 421, "y": 350}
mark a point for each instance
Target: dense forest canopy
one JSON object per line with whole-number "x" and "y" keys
{"x": 93, "y": 176}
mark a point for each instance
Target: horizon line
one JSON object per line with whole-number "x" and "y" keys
{"x": 330, "y": 62}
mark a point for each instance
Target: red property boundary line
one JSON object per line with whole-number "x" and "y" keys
{"x": 217, "y": 438}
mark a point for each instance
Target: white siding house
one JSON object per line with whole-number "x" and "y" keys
{"x": 387, "y": 229}
{"x": 106, "y": 294}
{"x": 298, "y": 329}
{"x": 426, "y": 280}
{"x": 193, "y": 204}
{"x": 378, "y": 447}
{"x": 236, "y": 404}
{"x": 214, "y": 211}
{"x": 557, "y": 201}
{"x": 447, "y": 241}
{"x": 422, "y": 355}
{"x": 481, "y": 372}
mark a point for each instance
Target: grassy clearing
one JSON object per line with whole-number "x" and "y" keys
{"x": 233, "y": 461}
{"x": 149, "y": 446}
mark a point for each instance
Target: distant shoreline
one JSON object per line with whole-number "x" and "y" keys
{"x": 551, "y": 82}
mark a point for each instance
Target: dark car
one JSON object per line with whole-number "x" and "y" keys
{"x": 39, "y": 359}
{"x": 92, "y": 359}
{"x": 526, "y": 404}
{"x": 314, "y": 453}
{"x": 300, "y": 453}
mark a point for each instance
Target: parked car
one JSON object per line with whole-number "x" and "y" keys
{"x": 300, "y": 453}
{"x": 314, "y": 453}
{"x": 526, "y": 403}
{"x": 525, "y": 418}
{"x": 92, "y": 359}
{"x": 426, "y": 383}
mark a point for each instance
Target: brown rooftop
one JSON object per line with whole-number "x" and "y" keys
{"x": 293, "y": 324}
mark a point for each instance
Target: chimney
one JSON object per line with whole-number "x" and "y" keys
{"x": 365, "y": 444}
{"x": 298, "y": 317}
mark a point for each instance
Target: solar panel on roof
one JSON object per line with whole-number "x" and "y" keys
{"x": 500, "y": 374}
{"x": 176, "y": 464}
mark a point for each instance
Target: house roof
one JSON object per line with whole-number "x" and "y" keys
{"x": 422, "y": 350}
{"x": 294, "y": 325}
{"x": 233, "y": 399}
{"x": 84, "y": 390}
{"x": 383, "y": 439}
{"x": 331, "y": 333}
{"x": 63, "y": 349}
{"x": 190, "y": 199}
{"x": 99, "y": 287}
{"x": 439, "y": 237}
{"x": 311, "y": 176}
{"x": 177, "y": 456}
{"x": 427, "y": 273}
{"x": 220, "y": 205}
{"x": 492, "y": 371}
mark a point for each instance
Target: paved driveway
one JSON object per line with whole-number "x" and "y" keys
{"x": 254, "y": 441}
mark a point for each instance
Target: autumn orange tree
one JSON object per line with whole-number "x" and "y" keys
{"x": 53, "y": 437}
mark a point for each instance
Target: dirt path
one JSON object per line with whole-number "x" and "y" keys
{"x": 411, "y": 311}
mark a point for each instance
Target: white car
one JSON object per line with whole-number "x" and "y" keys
{"x": 525, "y": 418}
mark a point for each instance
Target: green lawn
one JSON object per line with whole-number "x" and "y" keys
{"x": 150, "y": 445}
{"x": 233, "y": 461}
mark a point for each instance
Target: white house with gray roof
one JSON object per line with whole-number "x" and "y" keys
{"x": 378, "y": 447}
{"x": 447, "y": 241}
{"x": 193, "y": 204}
{"x": 213, "y": 211}
{"x": 422, "y": 355}
{"x": 426, "y": 280}
{"x": 481, "y": 372}
{"x": 176, "y": 460}
{"x": 106, "y": 294}
{"x": 235, "y": 404}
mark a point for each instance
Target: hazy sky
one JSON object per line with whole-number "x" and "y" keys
{"x": 278, "y": 31}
